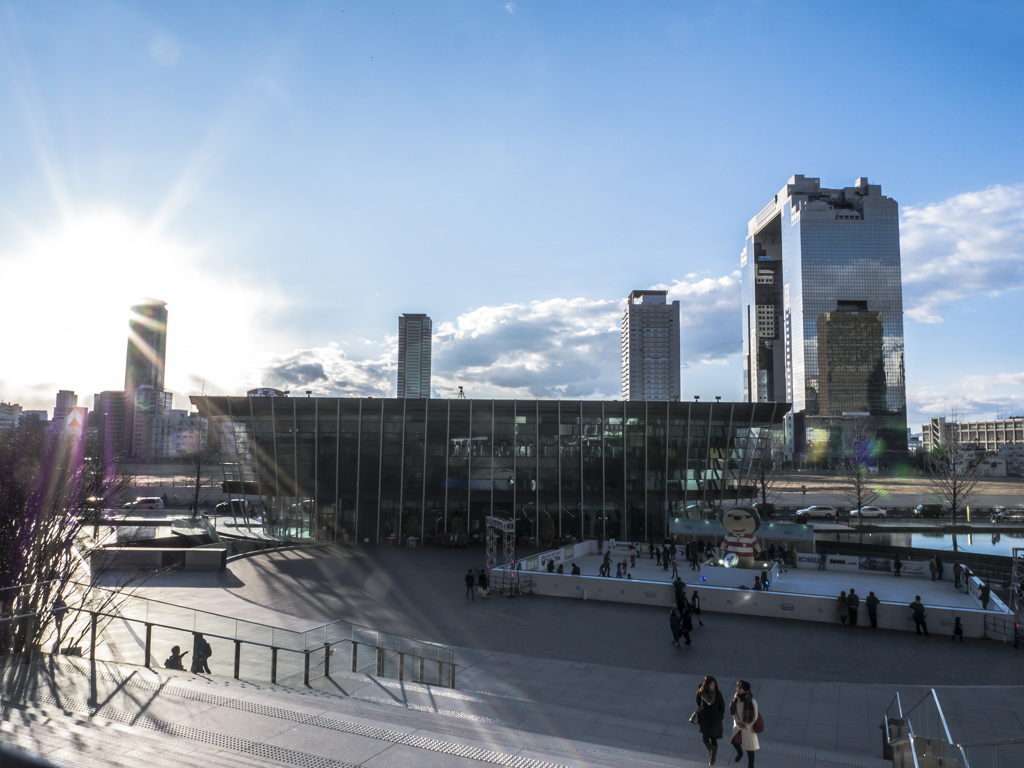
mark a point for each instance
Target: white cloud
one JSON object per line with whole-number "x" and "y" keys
{"x": 329, "y": 371}
{"x": 558, "y": 348}
{"x": 968, "y": 245}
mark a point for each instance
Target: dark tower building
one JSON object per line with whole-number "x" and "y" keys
{"x": 147, "y": 347}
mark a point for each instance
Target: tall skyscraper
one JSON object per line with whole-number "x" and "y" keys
{"x": 66, "y": 400}
{"x": 147, "y": 347}
{"x": 650, "y": 347}
{"x": 823, "y": 315}
{"x": 414, "y": 337}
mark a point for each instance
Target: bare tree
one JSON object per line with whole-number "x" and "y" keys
{"x": 205, "y": 473}
{"x": 50, "y": 490}
{"x": 860, "y": 487}
{"x": 768, "y": 452}
{"x": 953, "y": 473}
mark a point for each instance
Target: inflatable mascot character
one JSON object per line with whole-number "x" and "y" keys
{"x": 739, "y": 524}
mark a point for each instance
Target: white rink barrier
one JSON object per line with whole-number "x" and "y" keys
{"x": 781, "y": 605}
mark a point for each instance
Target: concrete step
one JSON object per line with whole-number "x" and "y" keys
{"x": 69, "y": 739}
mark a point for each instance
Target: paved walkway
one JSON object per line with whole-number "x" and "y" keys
{"x": 585, "y": 673}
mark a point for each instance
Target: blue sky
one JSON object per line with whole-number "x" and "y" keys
{"x": 291, "y": 177}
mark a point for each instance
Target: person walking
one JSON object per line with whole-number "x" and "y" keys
{"x": 675, "y": 565}
{"x": 938, "y": 567}
{"x": 695, "y": 606}
{"x": 985, "y": 593}
{"x": 958, "y": 630}
{"x": 933, "y": 567}
{"x": 920, "y": 615}
{"x": 675, "y": 623}
{"x": 958, "y": 574}
{"x": 482, "y": 581}
{"x": 821, "y": 560}
{"x": 201, "y": 651}
{"x": 470, "y": 584}
{"x": 744, "y": 711}
{"x": 897, "y": 565}
{"x": 687, "y": 624}
{"x": 710, "y": 714}
{"x": 871, "y": 601}
{"x": 853, "y": 601}
{"x": 679, "y": 588}
{"x": 843, "y": 608}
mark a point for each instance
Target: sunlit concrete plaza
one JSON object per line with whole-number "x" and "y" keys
{"x": 555, "y": 680}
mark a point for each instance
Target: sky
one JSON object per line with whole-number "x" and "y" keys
{"x": 291, "y": 177}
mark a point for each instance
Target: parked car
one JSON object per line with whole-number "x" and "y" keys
{"x": 766, "y": 511}
{"x": 816, "y": 512}
{"x": 929, "y": 510}
{"x": 1016, "y": 515}
{"x": 235, "y": 507}
{"x": 868, "y": 512}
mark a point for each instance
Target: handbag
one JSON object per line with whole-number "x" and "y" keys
{"x": 695, "y": 718}
{"x": 758, "y": 724}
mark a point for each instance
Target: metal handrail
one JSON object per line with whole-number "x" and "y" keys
{"x": 443, "y": 656}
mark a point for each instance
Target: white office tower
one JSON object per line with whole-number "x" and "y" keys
{"x": 650, "y": 347}
{"x": 414, "y": 335}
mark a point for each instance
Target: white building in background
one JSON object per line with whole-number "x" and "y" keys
{"x": 1002, "y": 438}
{"x": 415, "y": 333}
{"x": 650, "y": 347}
{"x": 10, "y": 415}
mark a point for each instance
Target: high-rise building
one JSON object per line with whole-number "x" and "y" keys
{"x": 147, "y": 347}
{"x": 414, "y": 336}
{"x": 66, "y": 400}
{"x": 10, "y": 415}
{"x": 823, "y": 316}
{"x": 150, "y": 405}
{"x": 650, "y": 347}
{"x": 110, "y": 417}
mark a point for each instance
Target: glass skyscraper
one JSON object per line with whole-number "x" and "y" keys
{"x": 823, "y": 316}
{"x": 147, "y": 347}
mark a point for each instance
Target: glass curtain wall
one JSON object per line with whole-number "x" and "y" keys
{"x": 386, "y": 471}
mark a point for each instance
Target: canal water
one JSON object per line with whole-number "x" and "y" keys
{"x": 985, "y": 543}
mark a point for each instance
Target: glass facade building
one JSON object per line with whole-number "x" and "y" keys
{"x": 823, "y": 315}
{"x": 369, "y": 469}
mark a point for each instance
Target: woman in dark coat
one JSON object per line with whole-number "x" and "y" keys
{"x": 710, "y": 713}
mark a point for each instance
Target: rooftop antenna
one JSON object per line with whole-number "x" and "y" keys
{"x": 461, "y": 395}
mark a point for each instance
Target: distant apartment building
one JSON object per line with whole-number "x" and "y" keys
{"x": 10, "y": 414}
{"x": 110, "y": 418}
{"x": 650, "y": 347}
{"x": 150, "y": 405}
{"x": 415, "y": 333}
{"x": 999, "y": 439}
{"x": 822, "y": 307}
{"x": 177, "y": 434}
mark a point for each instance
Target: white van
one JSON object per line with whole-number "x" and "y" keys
{"x": 145, "y": 502}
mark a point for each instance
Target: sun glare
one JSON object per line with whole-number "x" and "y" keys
{"x": 76, "y": 285}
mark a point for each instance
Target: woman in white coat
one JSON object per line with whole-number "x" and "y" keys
{"x": 744, "y": 713}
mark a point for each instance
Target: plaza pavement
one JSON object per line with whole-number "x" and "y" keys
{"x": 573, "y": 682}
